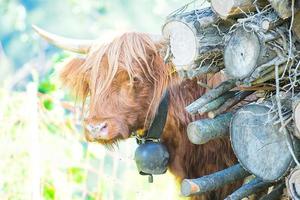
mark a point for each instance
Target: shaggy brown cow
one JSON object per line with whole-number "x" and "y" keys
{"x": 125, "y": 80}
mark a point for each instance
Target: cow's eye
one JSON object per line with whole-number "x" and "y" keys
{"x": 135, "y": 79}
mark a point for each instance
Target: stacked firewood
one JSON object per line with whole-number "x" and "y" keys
{"x": 256, "y": 43}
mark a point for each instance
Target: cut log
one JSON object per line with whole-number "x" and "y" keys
{"x": 235, "y": 7}
{"x": 293, "y": 184}
{"x": 256, "y": 185}
{"x": 211, "y": 95}
{"x": 248, "y": 46}
{"x": 241, "y": 53}
{"x": 202, "y": 131}
{"x": 216, "y": 103}
{"x": 213, "y": 181}
{"x": 275, "y": 194}
{"x": 194, "y": 36}
{"x": 229, "y": 103}
{"x": 258, "y": 144}
{"x": 244, "y": 52}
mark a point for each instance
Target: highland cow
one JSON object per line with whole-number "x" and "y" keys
{"x": 125, "y": 80}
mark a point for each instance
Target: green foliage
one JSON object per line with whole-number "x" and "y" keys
{"x": 49, "y": 191}
{"x": 90, "y": 197}
{"x": 59, "y": 57}
{"x": 76, "y": 174}
{"x": 48, "y": 104}
{"x": 52, "y": 128}
{"x": 46, "y": 87}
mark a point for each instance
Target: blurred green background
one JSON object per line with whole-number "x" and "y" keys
{"x": 43, "y": 152}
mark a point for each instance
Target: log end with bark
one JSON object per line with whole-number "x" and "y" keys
{"x": 232, "y": 7}
{"x": 188, "y": 187}
{"x": 293, "y": 184}
{"x": 202, "y": 131}
{"x": 213, "y": 181}
{"x": 258, "y": 144}
{"x": 183, "y": 43}
{"x": 241, "y": 53}
{"x": 185, "y": 33}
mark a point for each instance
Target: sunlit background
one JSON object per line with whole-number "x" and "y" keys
{"x": 43, "y": 154}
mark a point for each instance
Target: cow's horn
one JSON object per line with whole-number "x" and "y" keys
{"x": 74, "y": 45}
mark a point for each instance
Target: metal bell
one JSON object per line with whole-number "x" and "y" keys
{"x": 151, "y": 158}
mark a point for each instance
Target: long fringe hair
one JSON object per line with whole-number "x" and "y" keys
{"x": 132, "y": 52}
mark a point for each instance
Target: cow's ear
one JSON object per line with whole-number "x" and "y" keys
{"x": 75, "y": 76}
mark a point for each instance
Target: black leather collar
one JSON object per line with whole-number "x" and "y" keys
{"x": 157, "y": 126}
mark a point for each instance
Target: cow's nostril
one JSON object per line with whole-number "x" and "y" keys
{"x": 105, "y": 126}
{"x": 98, "y": 131}
{"x": 101, "y": 126}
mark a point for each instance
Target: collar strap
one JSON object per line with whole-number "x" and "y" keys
{"x": 157, "y": 126}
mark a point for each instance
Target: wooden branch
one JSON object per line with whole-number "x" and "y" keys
{"x": 256, "y": 185}
{"x": 202, "y": 131}
{"x": 213, "y": 181}
{"x": 269, "y": 76}
{"x": 234, "y": 7}
{"x": 266, "y": 68}
{"x": 211, "y": 95}
{"x": 229, "y": 103}
{"x": 293, "y": 184}
{"x": 275, "y": 194}
{"x": 186, "y": 37}
{"x": 215, "y": 104}
{"x": 255, "y": 137}
{"x": 262, "y": 22}
{"x": 206, "y": 69}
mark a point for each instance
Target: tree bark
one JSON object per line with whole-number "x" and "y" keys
{"x": 202, "y": 131}
{"x": 215, "y": 104}
{"x": 252, "y": 187}
{"x": 213, "y": 181}
{"x": 206, "y": 69}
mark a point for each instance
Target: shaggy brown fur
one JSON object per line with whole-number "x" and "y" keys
{"x": 125, "y": 80}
